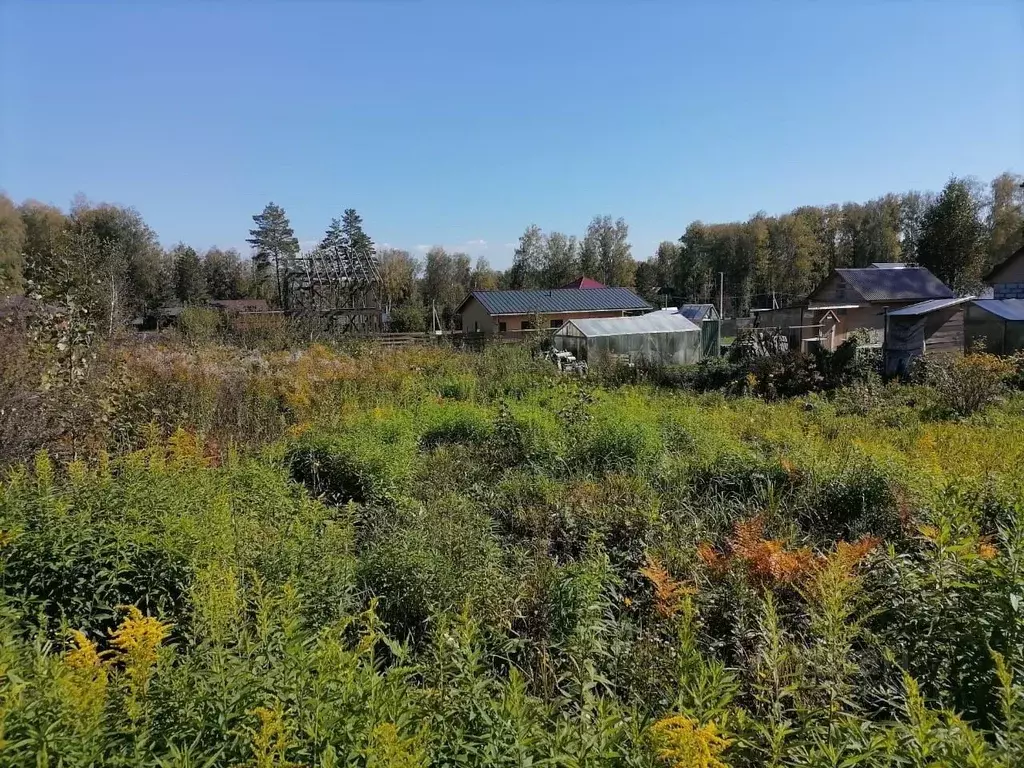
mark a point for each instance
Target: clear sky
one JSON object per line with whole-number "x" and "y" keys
{"x": 459, "y": 123}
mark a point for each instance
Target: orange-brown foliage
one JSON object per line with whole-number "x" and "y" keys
{"x": 668, "y": 592}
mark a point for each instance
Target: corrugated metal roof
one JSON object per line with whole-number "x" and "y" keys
{"x": 926, "y": 307}
{"x": 1008, "y": 309}
{"x": 558, "y": 300}
{"x": 905, "y": 284}
{"x": 656, "y": 322}
{"x": 695, "y": 312}
{"x": 888, "y": 265}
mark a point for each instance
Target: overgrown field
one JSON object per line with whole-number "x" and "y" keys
{"x": 430, "y": 558}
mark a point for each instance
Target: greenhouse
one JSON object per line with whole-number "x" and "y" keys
{"x": 660, "y": 337}
{"x": 996, "y": 323}
{"x": 705, "y": 317}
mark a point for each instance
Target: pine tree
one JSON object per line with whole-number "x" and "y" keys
{"x": 273, "y": 242}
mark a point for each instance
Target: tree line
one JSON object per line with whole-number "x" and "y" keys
{"x": 107, "y": 260}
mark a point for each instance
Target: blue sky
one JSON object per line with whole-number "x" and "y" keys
{"x": 459, "y": 123}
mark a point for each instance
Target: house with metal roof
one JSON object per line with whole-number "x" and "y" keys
{"x": 935, "y": 325}
{"x": 861, "y": 298}
{"x": 505, "y": 311}
{"x": 1007, "y": 278}
{"x": 663, "y": 338}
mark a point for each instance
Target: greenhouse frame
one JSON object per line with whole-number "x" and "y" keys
{"x": 662, "y": 338}
{"x": 999, "y": 323}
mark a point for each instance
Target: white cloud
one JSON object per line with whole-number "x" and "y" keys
{"x": 481, "y": 243}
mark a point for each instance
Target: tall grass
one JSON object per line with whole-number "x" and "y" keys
{"x": 422, "y": 557}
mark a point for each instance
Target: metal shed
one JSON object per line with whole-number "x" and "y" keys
{"x": 706, "y": 317}
{"x": 659, "y": 337}
{"x": 999, "y": 323}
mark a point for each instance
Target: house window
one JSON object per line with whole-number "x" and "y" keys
{"x": 557, "y": 323}
{"x": 527, "y": 325}
{"x": 501, "y": 327}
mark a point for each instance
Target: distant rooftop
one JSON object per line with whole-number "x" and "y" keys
{"x": 653, "y": 323}
{"x": 888, "y": 265}
{"x": 558, "y": 300}
{"x": 584, "y": 282}
{"x": 905, "y": 284}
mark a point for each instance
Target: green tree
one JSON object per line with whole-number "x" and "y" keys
{"x": 355, "y": 238}
{"x": 399, "y": 273}
{"x": 189, "y": 278}
{"x": 952, "y": 237}
{"x": 528, "y": 260}
{"x": 446, "y": 279}
{"x": 224, "y": 274}
{"x": 1005, "y": 219}
{"x": 12, "y": 243}
{"x": 608, "y": 240}
{"x": 647, "y": 280}
{"x": 274, "y": 245}
{"x": 560, "y": 263}
{"x": 117, "y": 260}
{"x": 483, "y": 278}
{"x": 913, "y": 206}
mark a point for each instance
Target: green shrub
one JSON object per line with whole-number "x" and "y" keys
{"x": 969, "y": 383}
{"x": 461, "y": 425}
{"x": 527, "y": 434}
{"x": 198, "y": 325}
{"x": 408, "y": 318}
{"x": 351, "y": 466}
{"x": 616, "y": 440}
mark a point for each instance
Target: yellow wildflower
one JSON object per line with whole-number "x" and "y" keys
{"x": 682, "y": 743}
{"x": 137, "y": 640}
{"x": 270, "y": 740}
{"x": 84, "y": 689}
{"x": 987, "y": 551}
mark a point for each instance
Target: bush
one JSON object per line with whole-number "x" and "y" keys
{"x": 198, "y": 325}
{"x": 453, "y": 425}
{"x": 408, "y": 318}
{"x": 968, "y": 383}
{"x": 617, "y": 440}
{"x": 526, "y": 434}
{"x": 351, "y": 467}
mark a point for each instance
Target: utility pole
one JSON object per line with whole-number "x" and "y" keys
{"x": 721, "y": 310}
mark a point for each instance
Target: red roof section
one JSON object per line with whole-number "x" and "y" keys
{"x": 585, "y": 282}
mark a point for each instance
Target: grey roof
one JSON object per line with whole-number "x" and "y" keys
{"x": 888, "y": 265}
{"x": 908, "y": 284}
{"x": 655, "y": 322}
{"x": 1008, "y": 309}
{"x": 557, "y": 300}
{"x": 697, "y": 312}
{"x": 994, "y": 272}
{"x": 927, "y": 307}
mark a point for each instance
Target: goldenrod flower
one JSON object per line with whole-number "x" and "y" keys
{"x": 137, "y": 640}
{"x": 682, "y": 743}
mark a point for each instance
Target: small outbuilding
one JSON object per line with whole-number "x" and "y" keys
{"x": 997, "y": 323}
{"x": 928, "y": 326}
{"x": 705, "y": 317}
{"x": 662, "y": 338}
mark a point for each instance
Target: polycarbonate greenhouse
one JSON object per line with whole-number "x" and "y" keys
{"x": 998, "y": 323}
{"x": 659, "y": 337}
